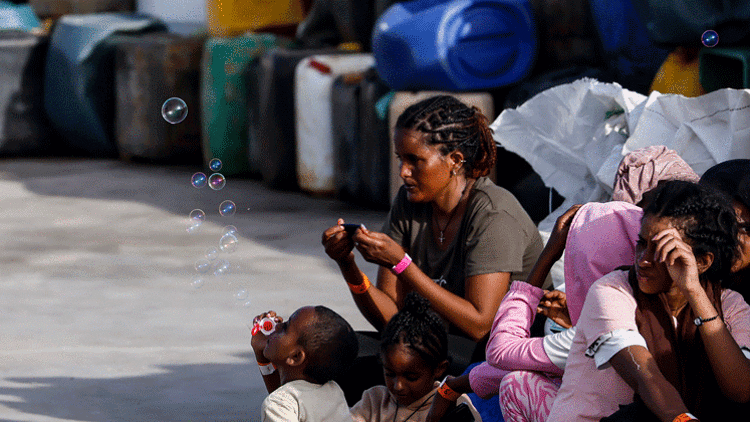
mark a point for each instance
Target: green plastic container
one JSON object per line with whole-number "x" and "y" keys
{"x": 224, "y": 93}
{"x": 724, "y": 68}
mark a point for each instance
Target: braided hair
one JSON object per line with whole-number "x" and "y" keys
{"x": 419, "y": 328}
{"x": 706, "y": 218}
{"x": 454, "y": 126}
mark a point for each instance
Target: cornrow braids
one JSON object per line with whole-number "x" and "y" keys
{"x": 454, "y": 126}
{"x": 418, "y": 327}
{"x": 707, "y": 219}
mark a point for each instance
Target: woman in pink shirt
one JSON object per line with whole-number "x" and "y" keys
{"x": 665, "y": 330}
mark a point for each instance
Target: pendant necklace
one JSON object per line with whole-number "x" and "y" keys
{"x": 441, "y": 238}
{"x": 415, "y": 410}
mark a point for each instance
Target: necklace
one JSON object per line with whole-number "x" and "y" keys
{"x": 415, "y": 411}
{"x": 441, "y": 238}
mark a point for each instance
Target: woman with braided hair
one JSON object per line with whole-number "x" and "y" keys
{"x": 665, "y": 329}
{"x": 452, "y": 235}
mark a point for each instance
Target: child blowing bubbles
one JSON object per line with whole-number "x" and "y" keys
{"x": 414, "y": 353}
{"x": 299, "y": 361}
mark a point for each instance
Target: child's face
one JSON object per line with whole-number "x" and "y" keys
{"x": 282, "y": 342}
{"x": 407, "y": 376}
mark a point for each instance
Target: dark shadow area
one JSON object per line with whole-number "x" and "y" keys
{"x": 203, "y": 392}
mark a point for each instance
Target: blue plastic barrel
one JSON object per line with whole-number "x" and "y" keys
{"x": 628, "y": 50}
{"x": 459, "y": 45}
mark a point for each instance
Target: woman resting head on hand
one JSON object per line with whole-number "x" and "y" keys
{"x": 670, "y": 305}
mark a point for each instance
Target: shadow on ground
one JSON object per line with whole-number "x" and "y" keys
{"x": 204, "y": 392}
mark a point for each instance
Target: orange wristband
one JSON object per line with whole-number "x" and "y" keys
{"x": 358, "y": 289}
{"x": 685, "y": 417}
{"x": 447, "y": 392}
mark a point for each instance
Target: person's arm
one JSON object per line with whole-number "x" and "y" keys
{"x": 554, "y": 248}
{"x": 730, "y": 366}
{"x": 638, "y": 369}
{"x": 510, "y": 346}
{"x": 441, "y": 405}
{"x": 472, "y": 314}
{"x": 272, "y": 379}
{"x": 375, "y": 305}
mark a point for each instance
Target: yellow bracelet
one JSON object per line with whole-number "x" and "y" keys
{"x": 358, "y": 289}
{"x": 447, "y": 392}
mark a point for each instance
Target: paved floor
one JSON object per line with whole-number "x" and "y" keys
{"x": 99, "y": 319}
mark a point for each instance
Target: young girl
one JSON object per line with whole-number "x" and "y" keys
{"x": 414, "y": 352}
{"x": 666, "y": 329}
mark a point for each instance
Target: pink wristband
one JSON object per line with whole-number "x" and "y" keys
{"x": 401, "y": 266}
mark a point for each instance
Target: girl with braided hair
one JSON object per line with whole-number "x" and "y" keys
{"x": 452, "y": 235}
{"x": 414, "y": 353}
{"x": 666, "y": 329}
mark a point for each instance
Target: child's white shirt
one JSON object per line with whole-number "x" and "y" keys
{"x": 306, "y": 402}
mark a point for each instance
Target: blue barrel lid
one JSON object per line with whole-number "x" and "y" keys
{"x": 455, "y": 45}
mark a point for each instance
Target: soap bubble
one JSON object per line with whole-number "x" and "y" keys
{"x": 228, "y": 243}
{"x": 217, "y": 181}
{"x": 212, "y": 253}
{"x": 230, "y": 229}
{"x": 248, "y": 304}
{"x": 197, "y": 283}
{"x": 710, "y": 38}
{"x": 227, "y": 208}
{"x": 198, "y": 180}
{"x": 202, "y": 266}
{"x": 192, "y": 228}
{"x": 174, "y": 110}
{"x": 197, "y": 217}
{"x": 241, "y": 294}
{"x": 221, "y": 267}
{"x": 214, "y": 164}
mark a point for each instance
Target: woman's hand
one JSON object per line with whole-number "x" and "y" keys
{"x": 378, "y": 248}
{"x": 338, "y": 244}
{"x": 258, "y": 341}
{"x": 555, "y": 307}
{"x": 559, "y": 235}
{"x": 679, "y": 259}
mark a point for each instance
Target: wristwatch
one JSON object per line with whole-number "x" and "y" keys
{"x": 700, "y": 321}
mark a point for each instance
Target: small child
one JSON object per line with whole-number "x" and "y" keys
{"x": 299, "y": 361}
{"x": 414, "y": 352}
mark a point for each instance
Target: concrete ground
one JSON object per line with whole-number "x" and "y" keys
{"x": 99, "y": 318}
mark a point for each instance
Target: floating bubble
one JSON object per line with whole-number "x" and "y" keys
{"x": 192, "y": 228}
{"x": 214, "y": 164}
{"x": 710, "y": 38}
{"x": 228, "y": 243}
{"x": 217, "y": 181}
{"x": 199, "y": 180}
{"x": 212, "y": 253}
{"x": 247, "y": 304}
{"x": 227, "y": 208}
{"x": 241, "y": 294}
{"x": 230, "y": 229}
{"x": 174, "y": 110}
{"x": 197, "y": 217}
{"x": 221, "y": 267}
{"x": 202, "y": 266}
{"x": 197, "y": 283}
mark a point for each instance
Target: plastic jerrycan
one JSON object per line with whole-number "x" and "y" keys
{"x": 459, "y": 45}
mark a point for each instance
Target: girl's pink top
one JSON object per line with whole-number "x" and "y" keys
{"x": 510, "y": 347}
{"x": 602, "y": 238}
